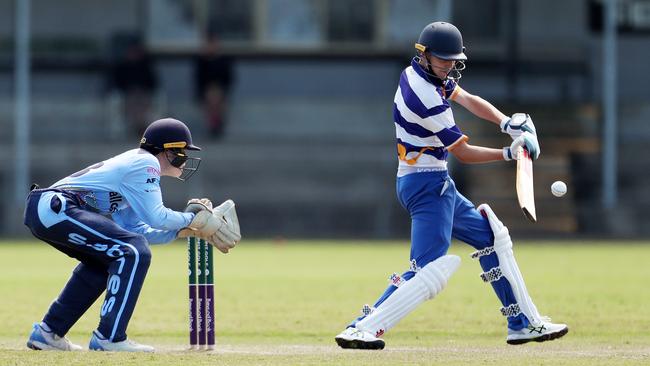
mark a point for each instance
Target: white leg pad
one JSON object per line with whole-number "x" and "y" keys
{"x": 508, "y": 265}
{"x": 426, "y": 284}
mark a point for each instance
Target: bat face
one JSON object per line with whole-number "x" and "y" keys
{"x": 525, "y": 191}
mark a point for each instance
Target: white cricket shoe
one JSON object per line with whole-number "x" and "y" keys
{"x": 358, "y": 339}
{"x": 99, "y": 343}
{"x": 546, "y": 332}
{"x": 44, "y": 339}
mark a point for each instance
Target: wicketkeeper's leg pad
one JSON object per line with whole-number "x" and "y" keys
{"x": 507, "y": 268}
{"x": 427, "y": 283}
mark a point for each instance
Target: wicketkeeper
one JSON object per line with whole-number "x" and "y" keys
{"x": 426, "y": 133}
{"x": 106, "y": 216}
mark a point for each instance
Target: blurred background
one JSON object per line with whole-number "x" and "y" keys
{"x": 292, "y": 100}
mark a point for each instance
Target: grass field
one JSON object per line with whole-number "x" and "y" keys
{"x": 281, "y": 303}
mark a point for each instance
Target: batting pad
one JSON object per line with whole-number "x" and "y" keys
{"x": 426, "y": 284}
{"x": 509, "y": 268}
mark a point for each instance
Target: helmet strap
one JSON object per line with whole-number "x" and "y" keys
{"x": 427, "y": 69}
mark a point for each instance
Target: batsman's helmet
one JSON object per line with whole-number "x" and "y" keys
{"x": 442, "y": 40}
{"x": 173, "y": 135}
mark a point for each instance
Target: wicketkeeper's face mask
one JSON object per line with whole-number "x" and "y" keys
{"x": 179, "y": 159}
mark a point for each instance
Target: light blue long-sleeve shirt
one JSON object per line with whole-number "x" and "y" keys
{"x": 126, "y": 188}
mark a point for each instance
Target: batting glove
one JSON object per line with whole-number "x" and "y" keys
{"x": 526, "y": 140}
{"x": 518, "y": 124}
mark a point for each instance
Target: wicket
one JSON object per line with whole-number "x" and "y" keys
{"x": 201, "y": 296}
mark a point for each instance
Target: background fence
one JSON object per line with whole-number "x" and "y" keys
{"x": 308, "y": 145}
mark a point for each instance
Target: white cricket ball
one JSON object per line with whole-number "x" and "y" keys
{"x": 558, "y": 188}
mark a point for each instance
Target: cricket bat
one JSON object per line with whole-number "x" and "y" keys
{"x": 525, "y": 191}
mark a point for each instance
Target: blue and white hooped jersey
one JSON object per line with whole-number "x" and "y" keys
{"x": 126, "y": 188}
{"x": 424, "y": 122}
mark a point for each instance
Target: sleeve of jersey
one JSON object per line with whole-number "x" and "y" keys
{"x": 451, "y": 136}
{"x": 141, "y": 188}
{"x": 128, "y": 220}
{"x": 452, "y": 89}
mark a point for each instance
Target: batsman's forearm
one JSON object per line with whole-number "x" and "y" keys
{"x": 470, "y": 154}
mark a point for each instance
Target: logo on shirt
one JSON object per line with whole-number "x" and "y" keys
{"x": 154, "y": 171}
{"x": 114, "y": 199}
{"x": 152, "y": 180}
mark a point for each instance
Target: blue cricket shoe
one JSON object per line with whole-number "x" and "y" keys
{"x": 99, "y": 343}
{"x": 42, "y": 338}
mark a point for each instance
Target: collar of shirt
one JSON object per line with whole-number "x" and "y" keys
{"x": 426, "y": 76}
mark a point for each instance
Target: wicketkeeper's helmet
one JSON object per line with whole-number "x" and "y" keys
{"x": 167, "y": 133}
{"x": 173, "y": 135}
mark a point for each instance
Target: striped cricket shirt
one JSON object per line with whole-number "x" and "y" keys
{"x": 424, "y": 123}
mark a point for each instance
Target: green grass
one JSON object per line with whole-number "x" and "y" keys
{"x": 282, "y": 303}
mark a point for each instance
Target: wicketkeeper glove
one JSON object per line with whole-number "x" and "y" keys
{"x": 229, "y": 234}
{"x": 204, "y": 225}
{"x": 196, "y": 205}
{"x": 518, "y": 124}
{"x": 220, "y": 226}
{"x": 526, "y": 140}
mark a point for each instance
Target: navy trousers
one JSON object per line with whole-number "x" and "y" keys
{"x": 111, "y": 259}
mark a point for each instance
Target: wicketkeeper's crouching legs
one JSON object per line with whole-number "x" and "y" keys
{"x": 112, "y": 259}
{"x": 84, "y": 287}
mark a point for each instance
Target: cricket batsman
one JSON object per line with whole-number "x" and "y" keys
{"x": 426, "y": 133}
{"x": 106, "y": 216}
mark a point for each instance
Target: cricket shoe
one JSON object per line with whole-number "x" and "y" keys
{"x": 358, "y": 339}
{"x": 546, "y": 332}
{"x": 42, "y": 338}
{"x": 99, "y": 343}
